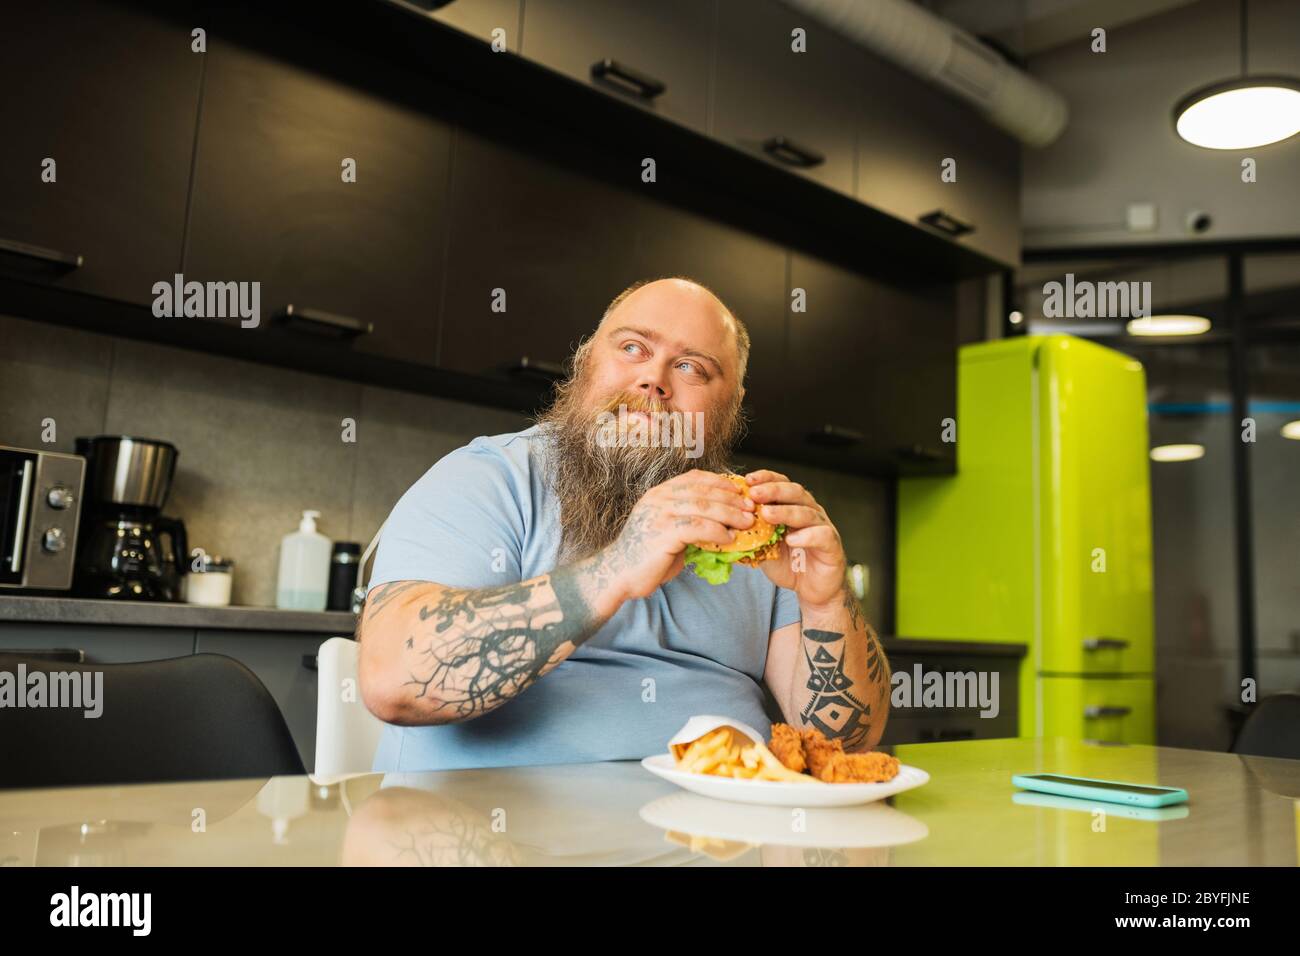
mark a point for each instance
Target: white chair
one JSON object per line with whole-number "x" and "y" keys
{"x": 347, "y": 734}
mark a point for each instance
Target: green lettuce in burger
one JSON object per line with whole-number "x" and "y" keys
{"x": 760, "y": 542}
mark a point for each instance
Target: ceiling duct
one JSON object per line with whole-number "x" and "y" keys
{"x": 944, "y": 54}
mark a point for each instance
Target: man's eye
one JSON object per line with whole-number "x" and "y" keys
{"x": 691, "y": 367}
{"x": 632, "y": 348}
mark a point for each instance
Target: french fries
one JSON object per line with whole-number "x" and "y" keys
{"x": 723, "y": 752}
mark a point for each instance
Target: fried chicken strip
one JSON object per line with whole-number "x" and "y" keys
{"x": 788, "y": 747}
{"x": 827, "y": 761}
{"x": 809, "y": 751}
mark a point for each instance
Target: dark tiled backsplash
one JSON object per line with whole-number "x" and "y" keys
{"x": 259, "y": 444}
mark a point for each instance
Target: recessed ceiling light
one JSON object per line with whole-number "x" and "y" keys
{"x": 1240, "y": 114}
{"x": 1169, "y": 325}
{"x": 1291, "y": 430}
{"x": 1177, "y": 452}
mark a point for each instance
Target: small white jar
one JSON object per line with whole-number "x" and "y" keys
{"x": 210, "y": 583}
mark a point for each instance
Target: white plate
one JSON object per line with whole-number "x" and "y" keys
{"x": 877, "y": 825}
{"x": 779, "y": 793}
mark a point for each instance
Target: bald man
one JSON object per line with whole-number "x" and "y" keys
{"x": 528, "y": 603}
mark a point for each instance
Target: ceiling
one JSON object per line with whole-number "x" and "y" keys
{"x": 1029, "y": 27}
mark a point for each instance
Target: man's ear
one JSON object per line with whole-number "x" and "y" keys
{"x": 742, "y": 393}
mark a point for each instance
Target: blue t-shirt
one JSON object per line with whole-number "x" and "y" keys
{"x": 484, "y": 516}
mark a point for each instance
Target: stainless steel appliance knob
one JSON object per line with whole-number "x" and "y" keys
{"x": 59, "y": 497}
{"x": 54, "y": 540}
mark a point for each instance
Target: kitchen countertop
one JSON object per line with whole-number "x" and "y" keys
{"x": 1243, "y": 811}
{"x": 70, "y": 610}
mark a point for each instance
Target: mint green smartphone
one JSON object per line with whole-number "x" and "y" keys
{"x": 1110, "y": 791}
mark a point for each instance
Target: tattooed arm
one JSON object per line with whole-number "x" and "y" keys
{"x": 830, "y": 673}
{"x": 432, "y": 654}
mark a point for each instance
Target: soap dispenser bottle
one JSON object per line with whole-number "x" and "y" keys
{"x": 304, "y": 567}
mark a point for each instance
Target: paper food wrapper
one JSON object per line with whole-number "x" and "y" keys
{"x": 701, "y": 724}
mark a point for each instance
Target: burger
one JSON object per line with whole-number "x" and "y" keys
{"x": 760, "y": 542}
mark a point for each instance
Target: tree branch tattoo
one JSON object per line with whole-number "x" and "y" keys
{"x": 386, "y": 593}
{"x": 489, "y": 644}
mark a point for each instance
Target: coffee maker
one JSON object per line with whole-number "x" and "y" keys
{"x": 120, "y": 551}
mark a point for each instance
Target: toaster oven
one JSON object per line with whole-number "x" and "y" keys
{"x": 40, "y": 492}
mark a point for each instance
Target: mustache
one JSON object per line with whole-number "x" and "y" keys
{"x": 598, "y": 483}
{"x": 633, "y": 402}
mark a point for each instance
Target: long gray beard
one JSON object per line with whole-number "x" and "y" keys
{"x": 598, "y": 484}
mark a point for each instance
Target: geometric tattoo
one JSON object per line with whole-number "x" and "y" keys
{"x": 833, "y": 709}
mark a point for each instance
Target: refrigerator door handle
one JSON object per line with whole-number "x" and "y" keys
{"x": 1094, "y": 713}
{"x": 1105, "y": 644}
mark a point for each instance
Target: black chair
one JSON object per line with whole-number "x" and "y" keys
{"x": 201, "y": 717}
{"x": 1272, "y": 728}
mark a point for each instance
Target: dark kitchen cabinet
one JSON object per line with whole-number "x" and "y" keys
{"x": 94, "y": 645}
{"x": 799, "y": 110}
{"x": 747, "y": 273}
{"x": 270, "y": 203}
{"x": 110, "y": 95}
{"x": 906, "y": 133}
{"x": 480, "y": 18}
{"x": 910, "y": 723}
{"x": 538, "y": 251}
{"x": 655, "y": 55}
{"x": 876, "y": 368}
{"x": 560, "y": 245}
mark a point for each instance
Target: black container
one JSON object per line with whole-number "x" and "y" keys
{"x": 343, "y": 575}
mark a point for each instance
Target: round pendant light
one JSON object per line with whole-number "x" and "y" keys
{"x": 1240, "y": 113}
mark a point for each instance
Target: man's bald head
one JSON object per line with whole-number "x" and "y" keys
{"x": 675, "y": 292}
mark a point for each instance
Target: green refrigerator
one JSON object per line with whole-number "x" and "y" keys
{"x": 1043, "y": 537}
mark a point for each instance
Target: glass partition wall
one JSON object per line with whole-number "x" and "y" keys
{"x": 1224, "y": 419}
{"x": 1271, "y": 284}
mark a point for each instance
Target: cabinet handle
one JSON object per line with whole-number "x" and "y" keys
{"x": 328, "y": 323}
{"x": 835, "y": 436}
{"x": 626, "y": 78}
{"x": 52, "y": 257}
{"x": 62, "y": 655}
{"x": 1105, "y": 644}
{"x": 1093, "y": 713}
{"x": 787, "y": 151}
{"x": 535, "y": 368}
{"x": 919, "y": 453}
{"x": 946, "y": 222}
{"x": 950, "y": 733}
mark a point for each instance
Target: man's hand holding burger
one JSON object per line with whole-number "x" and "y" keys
{"x": 703, "y": 516}
{"x": 809, "y": 534}
{"x": 698, "y": 507}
